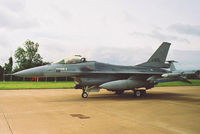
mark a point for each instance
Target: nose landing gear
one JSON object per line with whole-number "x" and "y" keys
{"x": 84, "y": 93}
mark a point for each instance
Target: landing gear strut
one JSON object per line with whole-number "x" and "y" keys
{"x": 84, "y": 93}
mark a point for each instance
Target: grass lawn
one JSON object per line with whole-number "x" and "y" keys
{"x": 70, "y": 84}
{"x": 35, "y": 85}
{"x": 179, "y": 83}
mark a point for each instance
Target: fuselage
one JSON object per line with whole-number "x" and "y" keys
{"x": 91, "y": 72}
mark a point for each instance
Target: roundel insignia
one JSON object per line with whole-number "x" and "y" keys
{"x": 88, "y": 67}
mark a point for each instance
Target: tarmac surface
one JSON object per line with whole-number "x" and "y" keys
{"x": 62, "y": 111}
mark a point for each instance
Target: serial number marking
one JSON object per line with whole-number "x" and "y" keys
{"x": 61, "y": 69}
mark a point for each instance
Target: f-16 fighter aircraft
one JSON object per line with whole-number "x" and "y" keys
{"x": 178, "y": 75}
{"x": 91, "y": 76}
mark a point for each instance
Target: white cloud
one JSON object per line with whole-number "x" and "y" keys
{"x": 186, "y": 29}
{"x": 160, "y": 36}
{"x": 186, "y": 59}
{"x": 14, "y": 17}
{"x": 15, "y": 6}
{"x": 98, "y": 29}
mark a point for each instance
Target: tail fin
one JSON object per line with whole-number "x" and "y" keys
{"x": 159, "y": 57}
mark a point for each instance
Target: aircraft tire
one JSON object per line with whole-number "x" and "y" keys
{"x": 138, "y": 93}
{"x": 84, "y": 95}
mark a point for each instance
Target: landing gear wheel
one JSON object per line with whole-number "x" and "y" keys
{"x": 138, "y": 93}
{"x": 84, "y": 95}
{"x": 119, "y": 92}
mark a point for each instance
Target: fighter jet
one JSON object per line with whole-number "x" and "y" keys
{"x": 91, "y": 76}
{"x": 178, "y": 75}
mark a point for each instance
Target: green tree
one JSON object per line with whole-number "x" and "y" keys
{"x": 1, "y": 72}
{"x": 8, "y": 66}
{"x": 28, "y": 56}
{"x": 6, "y": 69}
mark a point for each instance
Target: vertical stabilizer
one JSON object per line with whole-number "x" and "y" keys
{"x": 159, "y": 57}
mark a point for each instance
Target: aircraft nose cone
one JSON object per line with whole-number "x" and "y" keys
{"x": 32, "y": 72}
{"x": 25, "y": 73}
{"x": 20, "y": 74}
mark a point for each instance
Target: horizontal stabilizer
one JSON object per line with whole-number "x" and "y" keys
{"x": 185, "y": 80}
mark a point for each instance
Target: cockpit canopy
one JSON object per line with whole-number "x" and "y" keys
{"x": 71, "y": 60}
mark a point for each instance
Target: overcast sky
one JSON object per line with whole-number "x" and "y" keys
{"x": 116, "y": 31}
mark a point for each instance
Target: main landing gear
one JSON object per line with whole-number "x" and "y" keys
{"x": 84, "y": 93}
{"x": 139, "y": 93}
